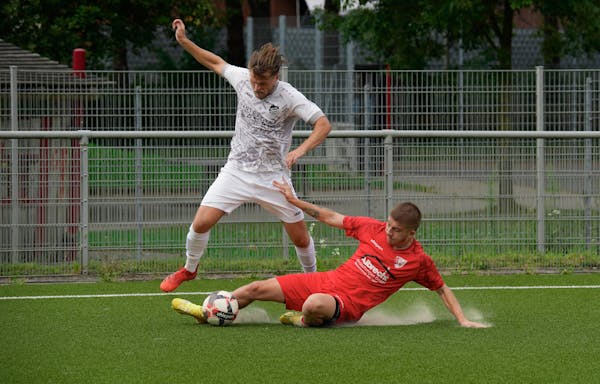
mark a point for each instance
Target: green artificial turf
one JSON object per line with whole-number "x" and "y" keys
{"x": 537, "y": 335}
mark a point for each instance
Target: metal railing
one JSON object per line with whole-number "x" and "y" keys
{"x": 104, "y": 171}
{"x": 126, "y": 194}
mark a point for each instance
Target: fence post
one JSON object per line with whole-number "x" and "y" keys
{"x": 367, "y": 158}
{"x": 587, "y": 165}
{"x": 349, "y": 82}
{"x": 249, "y": 37}
{"x": 285, "y": 243}
{"x": 282, "y": 32}
{"x": 84, "y": 212}
{"x": 540, "y": 160}
{"x": 318, "y": 47}
{"x": 318, "y": 65}
{"x": 389, "y": 173}
{"x": 14, "y": 167}
{"x": 138, "y": 173}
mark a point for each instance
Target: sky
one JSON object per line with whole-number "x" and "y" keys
{"x": 312, "y": 4}
{"x": 315, "y": 3}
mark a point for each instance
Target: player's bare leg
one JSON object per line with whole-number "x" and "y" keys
{"x": 305, "y": 246}
{"x": 262, "y": 290}
{"x": 196, "y": 242}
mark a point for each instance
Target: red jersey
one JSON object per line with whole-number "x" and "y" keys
{"x": 376, "y": 270}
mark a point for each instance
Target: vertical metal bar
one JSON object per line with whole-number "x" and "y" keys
{"x": 318, "y": 47}
{"x": 318, "y": 65}
{"x": 285, "y": 243}
{"x": 461, "y": 103}
{"x": 84, "y": 212}
{"x": 540, "y": 163}
{"x": 283, "y": 73}
{"x": 587, "y": 165}
{"x": 282, "y": 31}
{"x": 367, "y": 161}
{"x": 389, "y": 174}
{"x": 349, "y": 88}
{"x": 14, "y": 166}
{"x": 249, "y": 37}
{"x": 138, "y": 173}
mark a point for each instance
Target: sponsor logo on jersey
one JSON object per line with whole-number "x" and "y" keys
{"x": 376, "y": 272}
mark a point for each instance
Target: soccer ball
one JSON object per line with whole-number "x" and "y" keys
{"x": 220, "y": 308}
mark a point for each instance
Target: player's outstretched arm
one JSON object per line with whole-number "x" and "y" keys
{"x": 324, "y": 215}
{"x": 211, "y": 61}
{"x": 321, "y": 129}
{"x": 454, "y": 307}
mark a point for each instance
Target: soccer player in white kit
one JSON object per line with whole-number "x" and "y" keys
{"x": 260, "y": 152}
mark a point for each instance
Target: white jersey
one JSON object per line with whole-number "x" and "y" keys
{"x": 263, "y": 127}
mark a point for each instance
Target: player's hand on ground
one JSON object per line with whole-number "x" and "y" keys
{"x": 473, "y": 324}
{"x": 179, "y": 28}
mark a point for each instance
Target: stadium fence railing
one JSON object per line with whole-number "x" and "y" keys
{"x": 101, "y": 174}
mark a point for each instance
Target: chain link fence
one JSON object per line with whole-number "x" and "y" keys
{"x": 103, "y": 173}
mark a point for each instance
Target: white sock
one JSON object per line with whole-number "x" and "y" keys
{"x": 307, "y": 257}
{"x": 195, "y": 244}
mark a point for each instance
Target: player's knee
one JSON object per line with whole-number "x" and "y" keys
{"x": 200, "y": 227}
{"x": 302, "y": 241}
{"x": 317, "y": 304}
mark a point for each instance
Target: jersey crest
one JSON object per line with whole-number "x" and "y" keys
{"x": 399, "y": 262}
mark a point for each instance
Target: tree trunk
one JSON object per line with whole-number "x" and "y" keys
{"x": 235, "y": 33}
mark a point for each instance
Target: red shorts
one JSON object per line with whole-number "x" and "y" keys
{"x": 298, "y": 287}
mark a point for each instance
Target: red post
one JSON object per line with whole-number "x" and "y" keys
{"x": 73, "y": 217}
{"x": 79, "y": 62}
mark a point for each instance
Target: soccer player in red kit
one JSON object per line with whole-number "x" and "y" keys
{"x": 388, "y": 257}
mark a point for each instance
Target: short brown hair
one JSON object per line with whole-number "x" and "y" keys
{"x": 266, "y": 60}
{"x": 407, "y": 214}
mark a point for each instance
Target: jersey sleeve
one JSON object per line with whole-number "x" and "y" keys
{"x": 234, "y": 74}
{"x": 429, "y": 276}
{"x": 305, "y": 109}
{"x": 357, "y": 225}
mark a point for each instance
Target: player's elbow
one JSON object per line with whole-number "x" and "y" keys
{"x": 323, "y": 125}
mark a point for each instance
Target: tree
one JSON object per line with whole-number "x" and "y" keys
{"x": 235, "y": 33}
{"x": 105, "y": 28}
{"x": 409, "y": 34}
{"x": 570, "y": 27}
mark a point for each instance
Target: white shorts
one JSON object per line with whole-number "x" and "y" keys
{"x": 234, "y": 187}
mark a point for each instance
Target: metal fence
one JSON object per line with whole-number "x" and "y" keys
{"x": 102, "y": 172}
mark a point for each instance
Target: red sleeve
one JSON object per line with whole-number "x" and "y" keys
{"x": 355, "y": 225}
{"x": 429, "y": 276}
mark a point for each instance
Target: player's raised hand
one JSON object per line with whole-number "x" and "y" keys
{"x": 179, "y": 28}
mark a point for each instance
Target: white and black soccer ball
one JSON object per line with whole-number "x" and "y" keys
{"x": 220, "y": 308}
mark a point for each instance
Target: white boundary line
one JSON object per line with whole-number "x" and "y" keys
{"x": 206, "y": 293}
